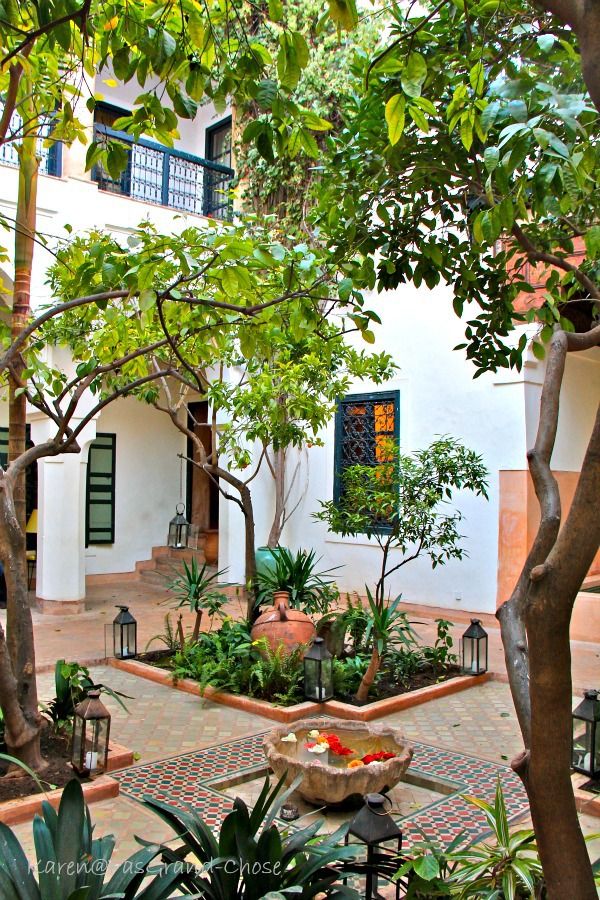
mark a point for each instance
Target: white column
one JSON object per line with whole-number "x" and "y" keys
{"x": 60, "y": 571}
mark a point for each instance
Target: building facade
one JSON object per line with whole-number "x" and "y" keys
{"x": 101, "y": 512}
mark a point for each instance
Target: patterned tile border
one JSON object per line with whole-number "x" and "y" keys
{"x": 194, "y": 778}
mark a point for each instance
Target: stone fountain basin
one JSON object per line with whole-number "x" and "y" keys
{"x": 326, "y": 779}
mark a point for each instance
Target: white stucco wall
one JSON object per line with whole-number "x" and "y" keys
{"x": 147, "y": 484}
{"x": 438, "y": 396}
{"x": 578, "y": 405}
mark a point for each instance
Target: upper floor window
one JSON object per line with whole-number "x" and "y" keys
{"x": 216, "y": 185}
{"x": 50, "y": 154}
{"x": 364, "y": 426}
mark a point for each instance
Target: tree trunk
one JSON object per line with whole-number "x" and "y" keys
{"x": 245, "y": 502}
{"x": 535, "y": 633}
{"x": 19, "y": 625}
{"x": 279, "y": 513}
{"x": 362, "y": 694}
{"x": 18, "y": 688}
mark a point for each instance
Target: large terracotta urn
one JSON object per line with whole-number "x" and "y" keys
{"x": 282, "y": 626}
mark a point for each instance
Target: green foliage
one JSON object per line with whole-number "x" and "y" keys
{"x": 475, "y": 145}
{"x": 507, "y": 867}
{"x": 400, "y": 502}
{"x": 73, "y": 865}
{"x": 280, "y": 185}
{"x": 277, "y": 675}
{"x": 195, "y": 587}
{"x": 72, "y": 682}
{"x": 169, "y": 637}
{"x": 228, "y": 659}
{"x": 251, "y": 859}
{"x": 311, "y": 591}
{"x": 348, "y": 674}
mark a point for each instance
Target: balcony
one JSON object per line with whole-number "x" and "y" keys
{"x": 50, "y": 156}
{"x": 157, "y": 174}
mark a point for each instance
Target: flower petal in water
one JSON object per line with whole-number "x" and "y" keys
{"x": 290, "y": 738}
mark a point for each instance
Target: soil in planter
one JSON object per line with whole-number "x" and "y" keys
{"x": 55, "y": 749}
{"x": 387, "y": 687}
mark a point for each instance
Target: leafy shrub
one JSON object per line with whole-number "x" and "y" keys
{"x": 229, "y": 660}
{"x": 72, "y": 682}
{"x": 312, "y": 592}
{"x": 348, "y": 674}
{"x": 277, "y": 675}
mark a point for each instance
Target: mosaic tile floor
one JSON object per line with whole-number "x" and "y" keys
{"x": 202, "y": 778}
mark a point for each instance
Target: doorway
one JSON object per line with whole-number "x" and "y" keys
{"x": 202, "y": 491}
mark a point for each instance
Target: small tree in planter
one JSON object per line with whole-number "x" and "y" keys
{"x": 401, "y": 503}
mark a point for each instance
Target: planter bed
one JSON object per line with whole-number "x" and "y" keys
{"x": 21, "y": 808}
{"x": 336, "y": 708}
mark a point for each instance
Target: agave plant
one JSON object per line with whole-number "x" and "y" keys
{"x": 251, "y": 859}
{"x": 309, "y": 590}
{"x": 507, "y": 868}
{"x": 73, "y": 865}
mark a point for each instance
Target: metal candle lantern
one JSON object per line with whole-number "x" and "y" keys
{"x": 474, "y": 650}
{"x": 373, "y": 826}
{"x": 585, "y": 746}
{"x": 91, "y": 730}
{"x": 124, "y": 634}
{"x": 318, "y": 672}
{"x": 179, "y": 529}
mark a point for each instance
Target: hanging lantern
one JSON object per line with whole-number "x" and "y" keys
{"x": 585, "y": 746}
{"x": 91, "y": 728}
{"x": 373, "y": 826}
{"x": 474, "y": 649}
{"x": 124, "y": 634}
{"x": 318, "y": 672}
{"x": 179, "y": 528}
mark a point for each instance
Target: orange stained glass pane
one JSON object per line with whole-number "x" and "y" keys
{"x": 357, "y": 410}
{"x": 383, "y": 414}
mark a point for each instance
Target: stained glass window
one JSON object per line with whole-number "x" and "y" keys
{"x": 365, "y": 426}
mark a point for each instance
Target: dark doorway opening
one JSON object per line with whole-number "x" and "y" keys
{"x": 202, "y": 491}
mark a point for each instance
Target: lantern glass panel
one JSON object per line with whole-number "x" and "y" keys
{"x": 585, "y": 756}
{"x": 78, "y": 730}
{"x": 582, "y": 745}
{"x": 311, "y": 678}
{"x": 474, "y": 656}
{"x": 96, "y": 745}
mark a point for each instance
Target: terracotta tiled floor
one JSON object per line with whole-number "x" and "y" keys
{"x": 164, "y": 723}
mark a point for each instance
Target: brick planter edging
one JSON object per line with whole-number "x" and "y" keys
{"x": 301, "y": 710}
{"x": 12, "y": 812}
{"x": 585, "y": 801}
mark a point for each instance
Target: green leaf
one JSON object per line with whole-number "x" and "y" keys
{"x": 538, "y": 350}
{"x": 116, "y": 159}
{"x": 344, "y": 13}
{"x": 315, "y": 122}
{"x": 477, "y": 78}
{"x": 414, "y": 75}
{"x": 395, "y": 117}
{"x": 592, "y": 241}
{"x": 427, "y": 867}
{"x": 491, "y": 158}
{"x": 275, "y": 10}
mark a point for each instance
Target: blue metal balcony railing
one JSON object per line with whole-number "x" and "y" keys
{"x": 50, "y": 156}
{"x": 157, "y": 174}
